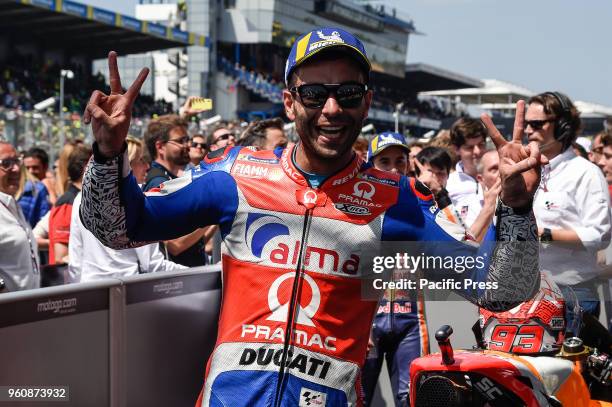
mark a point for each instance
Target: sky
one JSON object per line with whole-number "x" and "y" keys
{"x": 563, "y": 45}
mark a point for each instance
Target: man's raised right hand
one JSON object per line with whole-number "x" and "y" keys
{"x": 110, "y": 115}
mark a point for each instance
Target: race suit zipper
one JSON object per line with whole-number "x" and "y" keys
{"x": 292, "y": 314}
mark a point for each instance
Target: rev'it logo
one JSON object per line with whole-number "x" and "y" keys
{"x": 352, "y": 209}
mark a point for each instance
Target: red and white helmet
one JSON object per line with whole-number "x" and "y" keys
{"x": 535, "y": 326}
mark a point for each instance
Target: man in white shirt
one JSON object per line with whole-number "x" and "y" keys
{"x": 468, "y": 136}
{"x": 91, "y": 260}
{"x": 572, "y": 204}
{"x": 19, "y": 264}
{"x": 481, "y": 209}
{"x": 487, "y": 176}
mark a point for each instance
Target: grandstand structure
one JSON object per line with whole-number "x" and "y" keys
{"x": 253, "y": 42}
{"x": 242, "y": 71}
{"x": 40, "y": 40}
{"x": 232, "y": 51}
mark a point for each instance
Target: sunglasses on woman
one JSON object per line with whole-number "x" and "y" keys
{"x": 314, "y": 95}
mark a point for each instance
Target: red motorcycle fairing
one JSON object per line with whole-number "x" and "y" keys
{"x": 486, "y": 378}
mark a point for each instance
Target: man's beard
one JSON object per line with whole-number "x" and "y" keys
{"x": 181, "y": 159}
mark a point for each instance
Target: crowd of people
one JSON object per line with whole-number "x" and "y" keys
{"x": 94, "y": 213}
{"x": 26, "y": 81}
{"x": 387, "y": 98}
{"x": 571, "y": 206}
{"x": 49, "y": 198}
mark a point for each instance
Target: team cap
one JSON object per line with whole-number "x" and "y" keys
{"x": 320, "y": 39}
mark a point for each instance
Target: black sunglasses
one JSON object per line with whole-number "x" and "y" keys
{"x": 203, "y": 146}
{"x": 314, "y": 95}
{"x": 8, "y": 163}
{"x": 223, "y": 137}
{"x": 182, "y": 140}
{"x": 537, "y": 124}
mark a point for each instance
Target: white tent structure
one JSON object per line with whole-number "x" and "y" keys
{"x": 497, "y": 97}
{"x": 593, "y": 110}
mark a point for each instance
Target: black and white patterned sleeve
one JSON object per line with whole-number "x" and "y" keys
{"x": 101, "y": 210}
{"x": 514, "y": 265}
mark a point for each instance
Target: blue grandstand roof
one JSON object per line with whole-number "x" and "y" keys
{"x": 111, "y": 18}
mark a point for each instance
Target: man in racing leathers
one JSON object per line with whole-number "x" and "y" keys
{"x": 296, "y": 224}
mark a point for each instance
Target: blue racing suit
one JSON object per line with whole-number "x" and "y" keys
{"x": 399, "y": 335}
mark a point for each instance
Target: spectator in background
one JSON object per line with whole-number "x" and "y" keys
{"x": 488, "y": 169}
{"x": 167, "y": 142}
{"x": 221, "y": 137}
{"x": 580, "y": 150}
{"x": 197, "y": 151}
{"x": 62, "y": 180}
{"x": 59, "y": 220}
{"x": 19, "y": 264}
{"x": 360, "y": 147}
{"x": 264, "y": 134}
{"x": 597, "y": 147}
{"x": 604, "y": 257}
{"x": 605, "y": 160}
{"x": 34, "y": 200}
{"x": 443, "y": 140}
{"x": 41, "y": 233}
{"x": 51, "y": 182}
{"x": 585, "y": 143}
{"x": 389, "y": 152}
{"x": 399, "y": 332}
{"x": 483, "y": 209}
{"x": 432, "y": 165}
{"x": 433, "y": 169}
{"x": 414, "y": 148}
{"x": 36, "y": 161}
{"x": 488, "y": 177}
{"x": 91, "y": 260}
{"x": 571, "y": 205}
{"x": 136, "y": 156}
{"x": 468, "y": 136}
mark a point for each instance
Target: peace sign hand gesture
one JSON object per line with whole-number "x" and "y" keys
{"x": 519, "y": 165}
{"x": 110, "y": 115}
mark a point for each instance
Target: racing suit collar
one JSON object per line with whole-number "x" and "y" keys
{"x": 341, "y": 177}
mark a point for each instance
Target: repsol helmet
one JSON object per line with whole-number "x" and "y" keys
{"x": 532, "y": 327}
